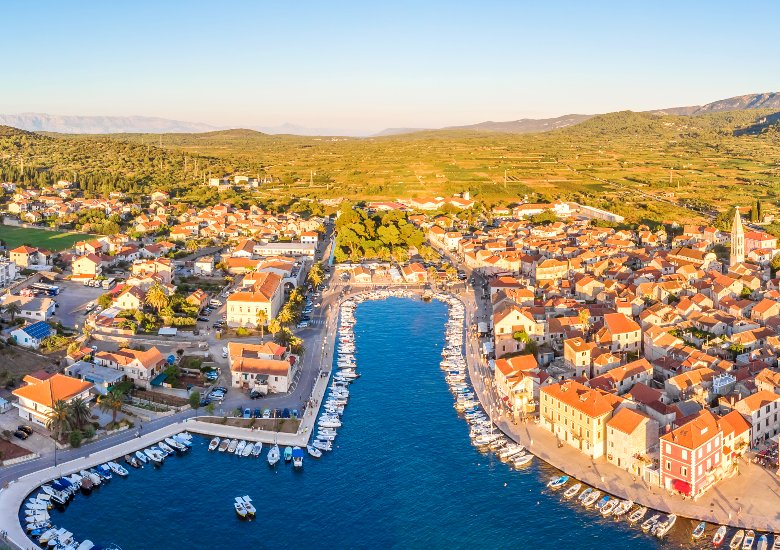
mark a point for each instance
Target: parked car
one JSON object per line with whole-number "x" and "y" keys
{"x": 21, "y": 435}
{"x": 203, "y": 319}
{"x": 267, "y": 413}
{"x": 247, "y": 413}
{"x": 303, "y": 324}
{"x": 255, "y": 395}
{"x": 205, "y": 401}
{"x": 257, "y": 413}
{"x": 26, "y": 429}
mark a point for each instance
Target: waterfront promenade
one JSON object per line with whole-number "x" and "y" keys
{"x": 748, "y": 499}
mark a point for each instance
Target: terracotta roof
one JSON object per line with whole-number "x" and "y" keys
{"x": 695, "y": 433}
{"x": 753, "y": 403}
{"x": 591, "y": 402}
{"x": 57, "y": 388}
{"x": 617, "y": 323}
{"x": 626, "y": 420}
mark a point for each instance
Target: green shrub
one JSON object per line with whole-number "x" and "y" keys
{"x": 89, "y": 431}
{"x": 75, "y": 438}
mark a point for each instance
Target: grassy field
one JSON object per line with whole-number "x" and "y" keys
{"x": 41, "y": 238}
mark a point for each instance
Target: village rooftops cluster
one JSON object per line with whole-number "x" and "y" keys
{"x": 644, "y": 348}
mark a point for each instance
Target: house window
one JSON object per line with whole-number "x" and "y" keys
{"x": 668, "y": 464}
{"x": 684, "y": 470}
{"x": 685, "y": 455}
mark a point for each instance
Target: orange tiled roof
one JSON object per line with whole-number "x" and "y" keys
{"x": 57, "y": 388}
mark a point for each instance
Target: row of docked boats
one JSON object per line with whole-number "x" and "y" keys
{"x": 657, "y": 523}
{"x": 254, "y": 449}
{"x": 482, "y": 431}
{"x": 59, "y": 492}
{"x": 236, "y": 447}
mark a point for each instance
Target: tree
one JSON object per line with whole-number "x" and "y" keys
{"x": 75, "y": 438}
{"x": 274, "y": 326}
{"x": 111, "y": 402}
{"x": 262, "y": 319}
{"x": 285, "y": 316}
{"x": 156, "y": 297}
{"x": 105, "y": 300}
{"x": 13, "y": 309}
{"x": 59, "y": 419}
{"x": 194, "y": 399}
{"x": 79, "y": 412}
{"x": 316, "y": 275}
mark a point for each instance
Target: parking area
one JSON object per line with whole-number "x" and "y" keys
{"x": 37, "y": 442}
{"x": 72, "y": 300}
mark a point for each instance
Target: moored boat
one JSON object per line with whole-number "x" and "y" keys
{"x": 240, "y": 447}
{"x": 232, "y": 446}
{"x": 637, "y": 514}
{"x": 214, "y": 443}
{"x": 297, "y": 457}
{"x": 132, "y": 461}
{"x": 698, "y": 531}
{"x": 622, "y": 508}
{"x": 573, "y": 490}
{"x": 609, "y": 507}
{"x": 117, "y": 469}
{"x": 273, "y": 455}
{"x": 224, "y": 445}
{"x": 736, "y": 540}
{"x": 665, "y": 526}
{"x": 240, "y": 508}
{"x": 522, "y": 460}
{"x": 589, "y": 500}
{"x": 140, "y": 455}
{"x": 750, "y": 537}
{"x": 584, "y": 494}
{"x": 288, "y": 454}
{"x": 719, "y": 536}
{"x": 247, "y": 449}
{"x": 257, "y": 448}
{"x": 601, "y": 503}
{"x": 763, "y": 543}
{"x": 313, "y": 451}
{"x": 650, "y": 522}
{"x": 776, "y": 545}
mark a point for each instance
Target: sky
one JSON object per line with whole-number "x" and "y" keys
{"x": 362, "y": 66}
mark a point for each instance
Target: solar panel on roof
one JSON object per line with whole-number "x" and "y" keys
{"x": 38, "y": 330}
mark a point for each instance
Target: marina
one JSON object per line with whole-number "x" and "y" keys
{"x": 494, "y": 473}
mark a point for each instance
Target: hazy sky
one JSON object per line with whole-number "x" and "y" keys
{"x": 368, "y": 65}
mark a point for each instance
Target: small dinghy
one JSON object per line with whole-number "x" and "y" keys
{"x": 750, "y": 537}
{"x": 763, "y": 543}
{"x": 736, "y": 540}
{"x": 214, "y": 444}
{"x": 650, "y": 522}
{"x": 224, "y": 445}
{"x": 557, "y": 482}
{"x": 240, "y": 508}
{"x": 118, "y": 470}
{"x": 523, "y": 460}
{"x": 288, "y": 454}
{"x": 257, "y": 448}
{"x": 719, "y": 536}
{"x": 132, "y": 461}
{"x": 573, "y": 490}
{"x": 247, "y": 449}
{"x": 141, "y": 456}
{"x": 246, "y": 502}
{"x": 313, "y": 451}
{"x": 232, "y": 446}
{"x": 609, "y": 507}
{"x": 698, "y": 531}
{"x": 623, "y": 508}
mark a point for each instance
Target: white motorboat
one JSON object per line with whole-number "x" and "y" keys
{"x": 650, "y": 522}
{"x": 118, "y": 469}
{"x": 257, "y": 448}
{"x": 140, "y": 455}
{"x": 313, "y": 451}
{"x": 623, "y": 507}
{"x": 248, "y": 506}
{"x": 637, "y": 514}
{"x": 273, "y": 455}
{"x": 171, "y": 442}
{"x": 297, "y": 457}
{"x": 86, "y": 545}
{"x": 48, "y": 535}
{"x": 572, "y": 491}
{"x": 155, "y": 456}
{"x": 522, "y": 460}
{"x": 232, "y": 446}
{"x": 214, "y": 444}
{"x": 240, "y": 447}
{"x": 184, "y": 438}
{"x": 665, "y": 526}
{"x": 322, "y": 445}
{"x": 592, "y": 497}
{"x": 240, "y": 508}
{"x": 609, "y": 507}
{"x": 93, "y": 477}
{"x": 329, "y": 422}
{"x": 165, "y": 448}
{"x": 247, "y": 449}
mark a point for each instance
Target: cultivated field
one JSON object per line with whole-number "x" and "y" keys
{"x": 41, "y": 238}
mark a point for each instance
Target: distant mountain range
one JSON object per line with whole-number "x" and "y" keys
{"x": 42, "y": 122}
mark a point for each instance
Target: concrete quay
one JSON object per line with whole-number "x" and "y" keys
{"x": 749, "y": 499}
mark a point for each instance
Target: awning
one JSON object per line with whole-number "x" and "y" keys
{"x": 159, "y": 379}
{"x": 681, "y": 486}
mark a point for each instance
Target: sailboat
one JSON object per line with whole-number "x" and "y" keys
{"x": 273, "y": 455}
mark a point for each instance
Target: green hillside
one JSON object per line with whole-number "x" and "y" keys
{"x": 645, "y": 166}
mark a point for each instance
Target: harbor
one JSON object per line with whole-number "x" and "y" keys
{"x": 386, "y": 344}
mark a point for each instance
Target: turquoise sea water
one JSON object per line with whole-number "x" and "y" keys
{"x": 403, "y": 475}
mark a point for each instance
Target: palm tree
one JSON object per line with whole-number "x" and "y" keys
{"x": 13, "y": 309}
{"x": 111, "y": 402}
{"x": 262, "y": 318}
{"x": 79, "y": 412}
{"x": 59, "y": 418}
{"x": 156, "y": 297}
